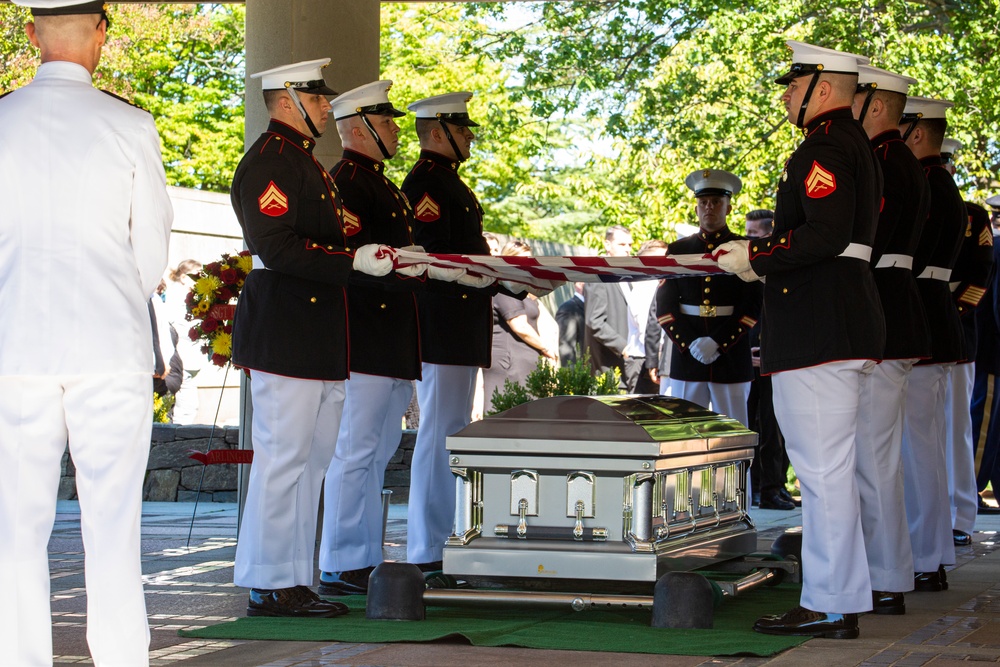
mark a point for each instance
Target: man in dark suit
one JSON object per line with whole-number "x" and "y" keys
{"x": 988, "y": 363}
{"x": 570, "y": 318}
{"x": 606, "y": 313}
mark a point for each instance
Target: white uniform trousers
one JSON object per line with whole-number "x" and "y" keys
{"x": 817, "y": 410}
{"x": 729, "y": 399}
{"x": 369, "y": 435}
{"x": 925, "y": 476}
{"x": 665, "y": 387}
{"x": 880, "y": 476}
{"x": 295, "y": 424}
{"x": 445, "y": 397}
{"x": 107, "y": 420}
{"x": 961, "y": 452}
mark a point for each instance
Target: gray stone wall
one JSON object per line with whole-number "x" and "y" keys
{"x": 171, "y": 475}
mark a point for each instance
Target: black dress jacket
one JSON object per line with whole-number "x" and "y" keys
{"x": 456, "y": 322}
{"x": 706, "y": 294}
{"x": 291, "y": 318}
{"x": 972, "y": 274}
{"x": 820, "y": 305}
{"x": 384, "y": 333}
{"x": 905, "y": 201}
{"x": 938, "y": 250}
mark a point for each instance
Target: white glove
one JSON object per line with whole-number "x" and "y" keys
{"x": 475, "y": 281}
{"x": 544, "y": 287}
{"x": 733, "y": 256}
{"x": 704, "y": 349}
{"x": 374, "y": 259}
{"x": 445, "y": 274}
{"x": 749, "y": 276}
{"x": 512, "y": 287}
{"x": 413, "y": 269}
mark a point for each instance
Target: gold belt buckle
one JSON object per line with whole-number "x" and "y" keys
{"x": 707, "y": 311}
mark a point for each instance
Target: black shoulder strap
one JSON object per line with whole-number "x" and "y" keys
{"x": 3, "y": 95}
{"x": 122, "y": 99}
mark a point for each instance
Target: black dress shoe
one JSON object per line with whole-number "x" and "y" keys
{"x": 351, "y": 582}
{"x": 985, "y": 508}
{"x": 928, "y": 582}
{"x": 797, "y": 501}
{"x": 962, "y": 538}
{"x": 943, "y": 576}
{"x": 771, "y": 499}
{"x": 887, "y": 602}
{"x": 803, "y": 622}
{"x": 433, "y": 566}
{"x": 297, "y": 602}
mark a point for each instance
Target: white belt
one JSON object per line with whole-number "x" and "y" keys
{"x": 954, "y": 286}
{"x": 258, "y": 263}
{"x": 707, "y": 311}
{"x": 895, "y": 261}
{"x": 858, "y": 251}
{"x": 936, "y": 273}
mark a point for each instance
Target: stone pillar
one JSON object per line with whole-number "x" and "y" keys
{"x": 279, "y": 32}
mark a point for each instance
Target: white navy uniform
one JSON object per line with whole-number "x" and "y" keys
{"x": 83, "y": 244}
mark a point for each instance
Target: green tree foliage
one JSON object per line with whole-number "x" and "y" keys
{"x": 687, "y": 85}
{"x": 182, "y": 63}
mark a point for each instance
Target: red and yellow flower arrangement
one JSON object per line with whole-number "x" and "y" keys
{"x": 211, "y": 304}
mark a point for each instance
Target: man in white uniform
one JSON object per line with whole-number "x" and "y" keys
{"x": 83, "y": 243}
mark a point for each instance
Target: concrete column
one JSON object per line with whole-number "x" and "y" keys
{"x": 279, "y": 32}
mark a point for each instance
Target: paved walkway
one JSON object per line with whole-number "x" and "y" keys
{"x": 192, "y": 587}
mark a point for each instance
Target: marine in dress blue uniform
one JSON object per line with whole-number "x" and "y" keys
{"x": 879, "y": 104}
{"x": 83, "y": 243}
{"x": 290, "y": 333}
{"x": 968, "y": 286}
{"x": 823, "y": 327}
{"x": 924, "y": 432}
{"x": 456, "y": 321}
{"x": 708, "y": 318}
{"x": 384, "y": 343}
{"x": 987, "y": 364}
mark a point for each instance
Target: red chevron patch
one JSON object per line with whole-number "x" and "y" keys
{"x": 273, "y": 201}
{"x": 820, "y": 182}
{"x": 427, "y": 210}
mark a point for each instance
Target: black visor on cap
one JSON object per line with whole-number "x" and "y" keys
{"x": 461, "y": 119}
{"x": 713, "y": 192}
{"x": 314, "y": 87}
{"x": 382, "y": 109}
{"x": 797, "y": 70}
{"x": 910, "y": 118}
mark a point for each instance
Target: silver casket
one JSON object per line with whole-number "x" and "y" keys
{"x": 621, "y": 488}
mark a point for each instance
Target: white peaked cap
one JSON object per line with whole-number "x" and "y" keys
{"x": 926, "y": 108}
{"x": 808, "y": 58}
{"x": 713, "y": 182}
{"x": 950, "y": 146}
{"x": 450, "y": 107}
{"x": 370, "y": 98}
{"x": 882, "y": 79}
{"x": 306, "y": 76}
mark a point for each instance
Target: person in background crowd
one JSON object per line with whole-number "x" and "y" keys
{"x": 84, "y": 237}
{"x": 517, "y": 345}
{"x": 769, "y": 471}
{"x": 988, "y": 363}
{"x": 606, "y": 312}
{"x": 640, "y": 300}
{"x": 570, "y": 316}
{"x": 179, "y": 283}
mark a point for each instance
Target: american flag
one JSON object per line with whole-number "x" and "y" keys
{"x": 531, "y": 270}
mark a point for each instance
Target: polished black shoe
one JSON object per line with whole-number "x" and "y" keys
{"x": 943, "y": 576}
{"x": 928, "y": 582}
{"x": 771, "y": 499}
{"x": 297, "y": 602}
{"x": 795, "y": 500}
{"x": 433, "y": 566}
{"x": 351, "y": 582}
{"x": 985, "y": 508}
{"x": 962, "y": 538}
{"x": 887, "y": 602}
{"x": 803, "y": 622}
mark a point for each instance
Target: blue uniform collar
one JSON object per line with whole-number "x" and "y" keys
{"x": 291, "y": 134}
{"x": 364, "y": 160}
{"x": 443, "y": 160}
